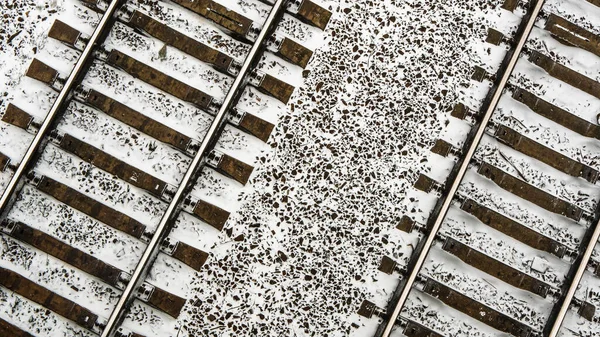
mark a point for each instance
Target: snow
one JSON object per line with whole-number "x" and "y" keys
{"x": 550, "y": 224}
{"x": 431, "y": 312}
{"x": 176, "y": 63}
{"x": 468, "y": 230}
{"x": 124, "y": 142}
{"x": 76, "y": 229}
{"x": 325, "y": 196}
{"x": 55, "y": 274}
{"x": 193, "y": 25}
{"x": 254, "y": 10}
{"x": 574, "y": 190}
{"x": 301, "y": 248}
{"x": 577, "y": 59}
{"x": 24, "y": 37}
{"x": 518, "y": 304}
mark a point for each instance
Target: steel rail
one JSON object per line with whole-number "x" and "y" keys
{"x": 78, "y": 71}
{"x": 145, "y": 263}
{"x": 462, "y": 171}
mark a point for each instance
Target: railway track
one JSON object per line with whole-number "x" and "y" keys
{"x": 507, "y": 249}
{"x": 136, "y": 201}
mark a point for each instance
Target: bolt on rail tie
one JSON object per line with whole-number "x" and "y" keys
{"x": 78, "y": 71}
{"x": 170, "y": 215}
{"x": 412, "y": 277}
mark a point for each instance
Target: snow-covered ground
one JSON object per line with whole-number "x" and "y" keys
{"x": 305, "y": 237}
{"x": 301, "y": 248}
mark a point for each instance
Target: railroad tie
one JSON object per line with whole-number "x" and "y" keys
{"x": 68, "y": 35}
{"x": 572, "y": 35}
{"x": 368, "y": 309}
{"x": 142, "y": 22}
{"x": 480, "y": 74}
{"x": 49, "y": 299}
{"x": 138, "y": 121}
{"x": 514, "y": 229}
{"x": 461, "y": 111}
{"x": 64, "y": 252}
{"x": 229, "y": 166}
{"x": 207, "y": 212}
{"x": 414, "y": 329}
{"x": 308, "y": 12}
{"x": 239, "y": 25}
{"x": 510, "y": 5}
{"x": 407, "y": 224}
{"x": 311, "y": 13}
{"x": 112, "y": 165}
{"x": 158, "y": 298}
{"x": 494, "y": 37}
{"x": 189, "y": 255}
{"x": 533, "y": 149}
{"x": 443, "y": 148}
{"x": 96, "y": 5}
{"x": 556, "y": 114}
{"x": 565, "y": 74}
{"x": 89, "y": 206}
{"x": 495, "y": 268}
{"x": 410, "y": 328}
{"x": 530, "y": 193}
{"x": 160, "y": 80}
{"x": 17, "y": 117}
{"x": 287, "y": 48}
{"x": 272, "y": 86}
{"x": 475, "y": 309}
{"x": 427, "y": 184}
{"x": 586, "y": 310}
{"x": 387, "y": 265}
{"x": 42, "y": 72}
{"x": 292, "y": 51}
{"x": 9, "y": 330}
{"x": 251, "y": 124}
